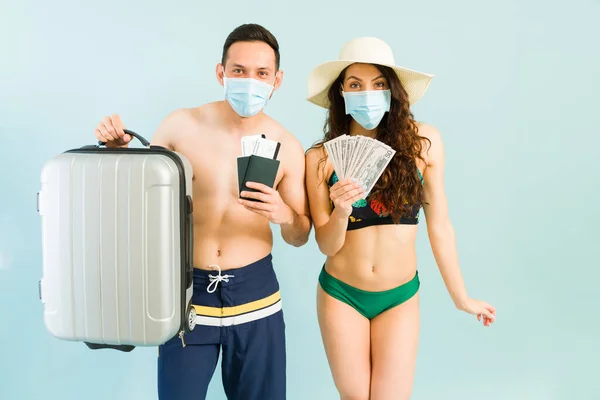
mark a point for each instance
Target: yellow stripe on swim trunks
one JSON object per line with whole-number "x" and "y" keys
{"x": 237, "y": 310}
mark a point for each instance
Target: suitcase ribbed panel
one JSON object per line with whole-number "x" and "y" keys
{"x": 112, "y": 267}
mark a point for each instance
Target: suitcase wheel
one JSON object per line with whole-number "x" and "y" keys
{"x": 191, "y": 319}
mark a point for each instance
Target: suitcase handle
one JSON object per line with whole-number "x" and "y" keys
{"x": 139, "y": 137}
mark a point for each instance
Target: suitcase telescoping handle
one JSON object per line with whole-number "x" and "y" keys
{"x": 139, "y": 137}
{"x": 190, "y": 244}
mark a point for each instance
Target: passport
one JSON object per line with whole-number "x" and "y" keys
{"x": 258, "y": 169}
{"x": 258, "y": 162}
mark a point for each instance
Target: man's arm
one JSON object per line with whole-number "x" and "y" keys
{"x": 168, "y": 128}
{"x": 287, "y": 206}
{"x": 111, "y": 131}
{"x": 292, "y": 190}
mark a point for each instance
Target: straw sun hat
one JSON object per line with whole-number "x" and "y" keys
{"x": 368, "y": 50}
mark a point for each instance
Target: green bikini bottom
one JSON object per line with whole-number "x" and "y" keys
{"x": 369, "y": 304}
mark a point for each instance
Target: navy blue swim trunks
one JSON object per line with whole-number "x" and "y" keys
{"x": 239, "y": 315}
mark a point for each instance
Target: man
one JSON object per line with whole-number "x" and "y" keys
{"x": 236, "y": 292}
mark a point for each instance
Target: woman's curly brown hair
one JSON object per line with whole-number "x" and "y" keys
{"x": 399, "y": 188}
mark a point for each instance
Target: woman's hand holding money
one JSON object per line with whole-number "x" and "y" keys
{"x": 344, "y": 193}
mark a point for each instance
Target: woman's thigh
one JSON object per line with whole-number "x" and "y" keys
{"x": 346, "y": 337}
{"x": 394, "y": 342}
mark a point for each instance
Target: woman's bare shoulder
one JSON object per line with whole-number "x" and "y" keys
{"x": 428, "y": 131}
{"x": 432, "y": 142}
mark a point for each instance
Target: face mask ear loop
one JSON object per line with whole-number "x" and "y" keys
{"x": 273, "y": 86}
{"x": 224, "y": 80}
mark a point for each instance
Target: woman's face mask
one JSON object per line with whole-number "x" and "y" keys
{"x": 368, "y": 107}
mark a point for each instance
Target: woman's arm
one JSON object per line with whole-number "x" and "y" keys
{"x": 330, "y": 226}
{"x": 440, "y": 230}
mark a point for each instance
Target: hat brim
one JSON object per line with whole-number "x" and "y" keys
{"x": 322, "y": 77}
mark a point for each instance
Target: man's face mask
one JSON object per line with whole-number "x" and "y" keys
{"x": 247, "y": 96}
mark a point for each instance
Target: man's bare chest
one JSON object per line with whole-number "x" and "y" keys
{"x": 214, "y": 162}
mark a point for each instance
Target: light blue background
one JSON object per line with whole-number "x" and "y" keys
{"x": 515, "y": 97}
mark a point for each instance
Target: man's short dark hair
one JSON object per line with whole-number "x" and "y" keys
{"x": 251, "y": 33}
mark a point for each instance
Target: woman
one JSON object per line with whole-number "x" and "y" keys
{"x": 367, "y": 297}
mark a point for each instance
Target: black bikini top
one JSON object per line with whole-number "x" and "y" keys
{"x": 371, "y": 212}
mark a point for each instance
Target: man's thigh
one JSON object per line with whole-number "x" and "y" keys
{"x": 185, "y": 372}
{"x": 254, "y": 360}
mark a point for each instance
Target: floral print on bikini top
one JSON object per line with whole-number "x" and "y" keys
{"x": 370, "y": 211}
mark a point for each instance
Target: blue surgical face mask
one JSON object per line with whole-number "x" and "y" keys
{"x": 247, "y": 96}
{"x": 368, "y": 107}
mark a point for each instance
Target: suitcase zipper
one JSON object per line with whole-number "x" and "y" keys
{"x": 181, "y": 337}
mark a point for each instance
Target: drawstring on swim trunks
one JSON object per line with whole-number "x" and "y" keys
{"x": 215, "y": 279}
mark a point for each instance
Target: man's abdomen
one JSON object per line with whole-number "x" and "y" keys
{"x": 231, "y": 242}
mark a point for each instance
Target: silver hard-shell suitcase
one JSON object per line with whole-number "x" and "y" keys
{"x": 117, "y": 245}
